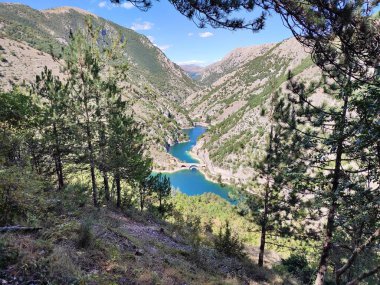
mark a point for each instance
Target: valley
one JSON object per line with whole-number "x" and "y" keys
{"x": 228, "y": 95}
{"x": 119, "y": 166}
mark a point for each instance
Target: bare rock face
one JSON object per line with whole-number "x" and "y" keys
{"x": 220, "y": 71}
{"x": 67, "y": 9}
{"x": 20, "y": 63}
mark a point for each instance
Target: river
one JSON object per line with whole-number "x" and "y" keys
{"x": 193, "y": 182}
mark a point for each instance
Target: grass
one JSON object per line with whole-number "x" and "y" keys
{"x": 102, "y": 246}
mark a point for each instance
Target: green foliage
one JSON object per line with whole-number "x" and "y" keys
{"x": 56, "y": 137}
{"x": 162, "y": 189}
{"x": 228, "y": 243}
{"x": 8, "y": 256}
{"x": 298, "y": 265}
{"x": 19, "y": 196}
{"x": 16, "y": 109}
{"x": 193, "y": 226}
{"x": 85, "y": 235}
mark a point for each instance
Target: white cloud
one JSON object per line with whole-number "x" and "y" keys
{"x": 164, "y": 47}
{"x": 109, "y": 6}
{"x": 206, "y": 34}
{"x": 191, "y": 61}
{"x": 127, "y": 5}
{"x": 161, "y": 47}
{"x": 102, "y": 4}
{"x": 190, "y": 34}
{"x": 142, "y": 26}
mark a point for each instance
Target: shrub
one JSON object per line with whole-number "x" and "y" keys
{"x": 20, "y": 194}
{"x": 227, "y": 243}
{"x": 85, "y": 236}
{"x": 7, "y": 256}
{"x": 298, "y": 265}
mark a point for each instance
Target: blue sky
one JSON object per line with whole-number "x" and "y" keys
{"x": 178, "y": 37}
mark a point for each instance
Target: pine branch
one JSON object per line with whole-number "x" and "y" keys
{"x": 356, "y": 252}
{"x": 364, "y": 276}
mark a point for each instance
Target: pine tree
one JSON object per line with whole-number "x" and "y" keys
{"x": 145, "y": 189}
{"x": 339, "y": 156}
{"x": 53, "y": 122}
{"x": 84, "y": 71}
{"x": 273, "y": 204}
{"x": 126, "y": 150}
{"x": 162, "y": 188}
{"x": 94, "y": 68}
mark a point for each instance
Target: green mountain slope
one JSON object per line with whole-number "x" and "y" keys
{"x": 52, "y": 27}
{"x": 156, "y": 85}
{"x": 235, "y": 101}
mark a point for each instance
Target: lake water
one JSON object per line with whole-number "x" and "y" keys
{"x": 193, "y": 182}
{"x": 181, "y": 150}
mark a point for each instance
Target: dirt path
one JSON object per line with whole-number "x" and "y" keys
{"x": 149, "y": 234}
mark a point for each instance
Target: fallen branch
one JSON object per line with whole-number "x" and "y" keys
{"x": 18, "y": 229}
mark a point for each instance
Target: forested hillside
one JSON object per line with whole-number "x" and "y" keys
{"x": 239, "y": 92}
{"x": 155, "y": 84}
{"x": 89, "y": 113}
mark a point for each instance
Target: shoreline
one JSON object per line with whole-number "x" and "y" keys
{"x": 206, "y": 172}
{"x": 209, "y": 171}
{"x": 209, "y": 175}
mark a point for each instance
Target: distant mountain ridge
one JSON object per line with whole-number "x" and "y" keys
{"x": 193, "y": 70}
{"x": 231, "y": 62}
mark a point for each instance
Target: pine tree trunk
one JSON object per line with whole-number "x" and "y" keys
{"x": 92, "y": 167}
{"x": 58, "y": 159}
{"x": 106, "y": 186}
{"x": 160, "y": 202}
{"x": 90, "y": 150}
{"x": 266, "y": 201}
{"x": 263, "y": 229}
{"x": 118, "y": 190}
{"x": 141, "y": 200}
{"x": 94, "y": 187}
{"x": 35, "y": 164}
{"x": 330, "y": 226}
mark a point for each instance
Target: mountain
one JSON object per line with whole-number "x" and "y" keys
{"x": 156, "y": 85}
{"x": 231, "y": 95}
{"x": 234, "y": 103}
{"x": 192, "y": 70}
{"x": 231, "y": 62}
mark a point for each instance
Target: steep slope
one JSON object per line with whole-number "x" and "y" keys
{"x": 156, "y": 84}
{"x": 52, "y": 27}
{"x": 225, "y": 68}
{"x": 235, "y": 103}
{"x": 76, "y": 243}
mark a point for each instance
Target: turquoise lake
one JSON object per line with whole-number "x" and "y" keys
{"x": 181, "y": 150}
{"x": 193, "y": 182}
